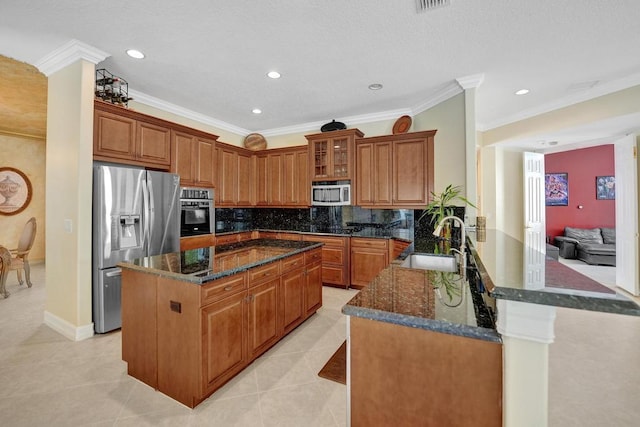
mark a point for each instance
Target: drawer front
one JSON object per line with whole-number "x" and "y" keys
{"x": 369, "y": 243}
{"x": 292, "y": 262}
{"x": 221, "y": 288}
{"x": 328, "y": 241}
{"x": 314, "y": 255}
{"x": 260, "y": 274}
{"x": 333, "y": 256}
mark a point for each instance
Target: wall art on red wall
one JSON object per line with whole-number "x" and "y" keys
{"x": 605, "y": 187}
{"x": 556, "y": 189}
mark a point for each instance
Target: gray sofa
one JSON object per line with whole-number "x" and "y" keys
{"x": 592, "y": 245}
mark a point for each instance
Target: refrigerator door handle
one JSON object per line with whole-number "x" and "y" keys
{"x": 114, "y": 273}
{"x": 146, "y": 211}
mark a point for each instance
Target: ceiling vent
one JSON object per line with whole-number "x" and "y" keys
{"x": 424, "y": 5}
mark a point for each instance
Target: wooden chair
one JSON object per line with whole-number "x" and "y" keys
{"x": 20, "y": 255}
{"x": 5, "y": 261}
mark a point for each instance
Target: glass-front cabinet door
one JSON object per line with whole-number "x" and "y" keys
{"x": 333, "y": 154}
{"x": 321, "y": 158}
{"x": 340, "y": 157}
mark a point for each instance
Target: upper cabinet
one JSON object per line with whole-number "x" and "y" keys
{"x": 331, "y": 154}
{"x": 235, "y": 176}
{"x": 395, "y": 170}
{"x": 282, "y": 177}
{"x": 194, "y": 159}
{"x": 125, "y": 136}
{"x": 128, "y": 137}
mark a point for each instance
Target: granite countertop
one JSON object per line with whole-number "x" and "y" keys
{"x": 407, "y": 297}
{"x": 502, "y": 265}
{"x": 399, "y": 295}
{"x": 203, "y": 265}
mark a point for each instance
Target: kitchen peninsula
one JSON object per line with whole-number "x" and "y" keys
{"x": 192, "y": 320}
{"x": 413, "y": 357}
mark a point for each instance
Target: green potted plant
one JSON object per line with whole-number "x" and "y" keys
{"x": 441, "y": 205}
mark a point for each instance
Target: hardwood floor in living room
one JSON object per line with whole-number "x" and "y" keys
{"x": 49, "y": 380}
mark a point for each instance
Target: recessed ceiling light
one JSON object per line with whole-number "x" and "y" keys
{"x": 135, "y": 54}
{"x": 522, "y": 92}
{"x": 273, "y": 74}
{"x": 256, "y": 111}
{"x": 375, "y": 86}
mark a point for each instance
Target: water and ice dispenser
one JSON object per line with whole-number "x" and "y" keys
{"x": 128, "y": 232}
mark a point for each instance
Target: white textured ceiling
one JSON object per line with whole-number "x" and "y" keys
{"x": 211, "y": 56}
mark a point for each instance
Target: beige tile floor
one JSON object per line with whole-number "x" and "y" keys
{"x": 47, "y": 380}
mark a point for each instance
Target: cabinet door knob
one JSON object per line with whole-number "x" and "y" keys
{"x": 228, "y": 288}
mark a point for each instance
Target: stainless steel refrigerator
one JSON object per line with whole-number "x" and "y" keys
{"x": 136, "y": 213}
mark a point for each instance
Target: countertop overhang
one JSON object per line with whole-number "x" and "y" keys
{"x": 504, "y": 264}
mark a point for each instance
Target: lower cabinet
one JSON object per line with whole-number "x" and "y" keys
{"x": 224, "y": 352}
{"x": 263, "y": 317}
{"x": 292, "y": 298}
{"x": 187, "y": 340}
{"x": 368, "y": 258}
{"x": 335, "y": 259}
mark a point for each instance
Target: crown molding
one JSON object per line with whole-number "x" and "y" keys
{"x": 67, "y": 55}
{"x": 595, "y": 92}
{"x": 186, "y": 113}
{"x": 470, "y": 82}
{"x": 349, "y": 121}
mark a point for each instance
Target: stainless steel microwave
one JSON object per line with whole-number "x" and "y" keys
{"x": 331, "y": 194}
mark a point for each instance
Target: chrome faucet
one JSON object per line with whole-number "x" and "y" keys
{"x": 462, "y": 268}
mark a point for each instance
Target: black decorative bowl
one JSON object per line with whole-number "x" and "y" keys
{"x": 333, "y": 125}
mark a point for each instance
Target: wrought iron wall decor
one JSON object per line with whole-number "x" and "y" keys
{"x": 111, "y": 88}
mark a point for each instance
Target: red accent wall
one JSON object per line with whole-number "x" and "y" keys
{"x": 582, "y": 167}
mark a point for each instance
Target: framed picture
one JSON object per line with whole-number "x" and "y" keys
{"x": 605, "y": 187}
{"x": 15, "y": 191}
{"x": 556, "y": 187}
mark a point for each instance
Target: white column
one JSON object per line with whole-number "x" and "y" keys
{"x": 527, "y": 331}
{"x": 71, "y": 77}
{"x": 469, "y": 84}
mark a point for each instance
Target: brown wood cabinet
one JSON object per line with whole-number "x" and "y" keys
{"x": 124, "y": 136}
{"x": 235, "y": 176}
{"x": 395, "y": 170}
{"x": 331, "y": 155}
{"x": 407, "y": 376}
{"x": 282, "y": 177}
{"x": 224, "y": 341}
{"x": 295, "y": 183}
{"x": 264, "y": 330}
{"x": 292, "y": 296}
{"x": 187, "y": 340}
{"x": 368, "y": 258}
{"x": 374, "y": 179}
{"x": 194, "y": 159}
{"x": 335, "y": 259}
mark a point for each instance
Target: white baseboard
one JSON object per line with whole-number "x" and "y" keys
{"x": 73, "y": 332}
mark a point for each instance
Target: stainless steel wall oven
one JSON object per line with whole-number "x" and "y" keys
{"x": 197, "y": 214}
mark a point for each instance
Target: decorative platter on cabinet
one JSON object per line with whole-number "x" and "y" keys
{"x": 255, "y": 141}
{"x": 402, "y": 125}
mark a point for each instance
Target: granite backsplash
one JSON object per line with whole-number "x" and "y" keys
{"x": 336, "y": 219}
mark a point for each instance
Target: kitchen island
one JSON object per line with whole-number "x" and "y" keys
{"x": 194, "y": 319}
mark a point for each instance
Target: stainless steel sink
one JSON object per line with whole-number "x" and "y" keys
{"x": 431, "y": 262}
